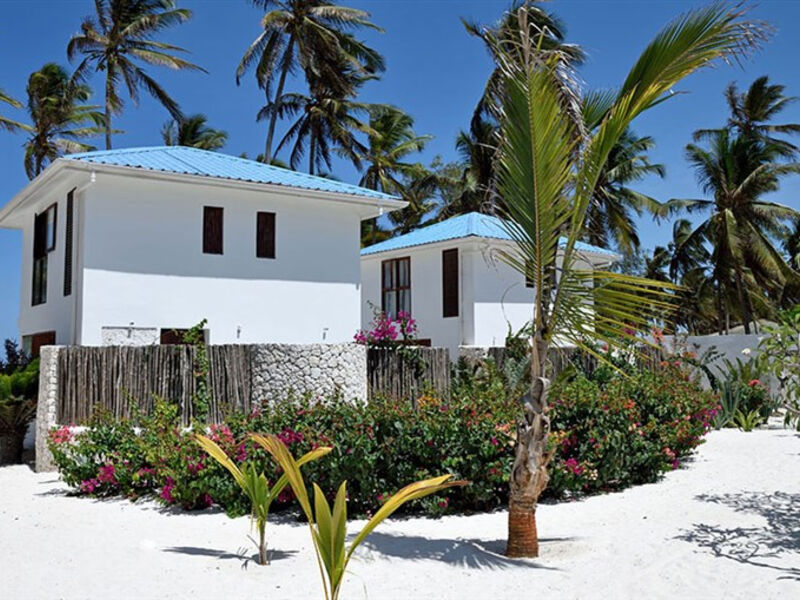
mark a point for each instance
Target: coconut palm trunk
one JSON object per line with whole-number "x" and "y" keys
{"x": 529, "y": 476}
{"x": 273, "y": 119}
{"x": 109, "y": 109}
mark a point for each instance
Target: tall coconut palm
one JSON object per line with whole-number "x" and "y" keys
{"x": 325, "y": 122}
{"x": 118, "y": 38}
{"x": 610, "y": 217}
{"x": 311, "y": 35}
{"x": 419, "y": 190}
{"x": 502, "y": 37}
{"x": 753, "y": 113}
{"x": 391, "y": 141}
{"x": 685, "y": 261}
{"x": 194, "y": 132}
{"x": 742, "y": 227}
{"x": 59, "y": 119}
{"x": 6, "y": 123}
{"x": 546, "y": 175}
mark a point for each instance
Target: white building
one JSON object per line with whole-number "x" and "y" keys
{"x": 449, "y": 278}
{"x": 129, "y": 246}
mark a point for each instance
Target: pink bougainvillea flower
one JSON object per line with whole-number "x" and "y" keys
{"x": 62, "y": 435}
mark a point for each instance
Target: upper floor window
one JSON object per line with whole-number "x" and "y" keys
{"x": 44, "y": 242}
{"x": 265, "y": 235}
{"x": 212, "y": 230}
{"x": 396, "y": 286}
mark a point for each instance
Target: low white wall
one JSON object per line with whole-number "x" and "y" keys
{"x": 730, "y": 347}
{"x": 130, "y": 336}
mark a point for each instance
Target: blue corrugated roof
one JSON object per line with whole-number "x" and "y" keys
{"x": 469, "y": 225}
{"x": 192, "y": 161}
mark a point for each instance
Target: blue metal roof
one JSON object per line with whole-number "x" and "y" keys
{"x": 192, "y": 161}
{"x": 469, "y": 225}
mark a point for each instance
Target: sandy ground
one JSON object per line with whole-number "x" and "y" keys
{"x": 725, "y": 526}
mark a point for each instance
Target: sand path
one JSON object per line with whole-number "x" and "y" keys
{"x": 725, "y": 526}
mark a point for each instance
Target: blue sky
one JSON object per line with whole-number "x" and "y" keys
{"x": 435, "y": 72}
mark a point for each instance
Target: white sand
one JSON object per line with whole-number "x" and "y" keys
{"x": 726, "y": 526}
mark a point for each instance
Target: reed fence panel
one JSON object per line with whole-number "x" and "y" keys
{"x": 392, "y": 374}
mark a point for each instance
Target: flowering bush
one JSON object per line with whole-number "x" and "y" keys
{"x": 608, "y": 434}
{"x": 385, "y": 331}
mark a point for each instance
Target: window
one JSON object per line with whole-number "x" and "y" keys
{"x": 396, "y": 286}
{"x": 212, "y": 230}
{"x": 44, "y": 242}
{"x": 529, "y": 274}
{"x": 450, "y": 283}
{"x": 50, "y": 216}
{"x": 68, "y": 245}
{"x": 265, "y": 235}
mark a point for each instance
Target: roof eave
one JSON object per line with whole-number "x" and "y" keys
{"x": 603, "y": 257}
{"x": 371, "y": 206}
{"x": 51, "y": 174}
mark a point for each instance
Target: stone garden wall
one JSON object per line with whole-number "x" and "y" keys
{"x": 317, "y": 369}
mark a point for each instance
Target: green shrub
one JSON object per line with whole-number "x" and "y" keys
{"x": 610, "y": 434}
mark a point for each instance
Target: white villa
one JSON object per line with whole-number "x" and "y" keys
{"x": 130, "y": 246}
{"x": 448, "y": 277}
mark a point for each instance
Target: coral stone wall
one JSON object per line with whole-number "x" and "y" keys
{"x": 129, "y": 336}
{"x": 317, "y": 369}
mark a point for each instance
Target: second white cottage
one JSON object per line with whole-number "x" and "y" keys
{"x": 448, "y": 277}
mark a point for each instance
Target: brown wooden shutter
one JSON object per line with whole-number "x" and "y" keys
{"x": 265, "y": 235}
{"x": 68, "y": 245}
{"x": 45, "y": 338}
{"x": 212, "y": 230}
{"x": 450, "y": 283}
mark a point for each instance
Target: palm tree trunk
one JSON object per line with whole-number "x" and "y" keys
{"x": 311, "y": 148}
{"x": 108, "y": 111}
{"x": 262, "y": 545}
{"x": 529, "y": 474}
{"x": 273, "y": 118}
{"x": 745, "y": 305}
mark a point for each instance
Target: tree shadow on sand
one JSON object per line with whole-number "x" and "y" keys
{"x": 755, "y": 546}
{"x": 473, "y": 554}
{"x": 241, "y": 555}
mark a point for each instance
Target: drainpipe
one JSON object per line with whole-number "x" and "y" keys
{"x": 78, "y": 249}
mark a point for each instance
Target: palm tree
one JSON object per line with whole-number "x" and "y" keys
{"x": 685, "y": 261}
{"x": 546, "y": 175}
{"x": 476, "y": 149}
{"x": 325, "y": 122}
{"x": 5, "y": 123}
{"x": 502, "y": 37}
{"x": 419, "y": 190}
{"x": 737, "y": 170}
{"x": 614, "y": 203}
{"x": 391, "y": 140}
{"x": 59, "y": 118}
{"x": 119, "y": 39}
{"x": 194, "y": 132}
{"x": 311, "y": 35}
{"x": 752, "y": 113}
